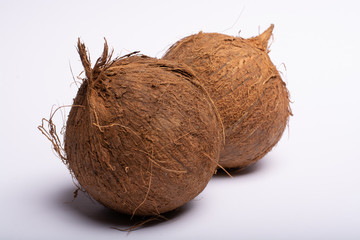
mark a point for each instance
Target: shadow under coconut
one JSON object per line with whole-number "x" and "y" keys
{"x": 90, "y": 209}
{"x": 237, "y": 172}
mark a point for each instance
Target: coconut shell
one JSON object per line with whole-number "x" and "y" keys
{"x": 246, "y": 87}
{"x": 143, "y": 137}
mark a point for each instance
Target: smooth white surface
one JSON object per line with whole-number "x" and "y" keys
{"x": 306, "y": 188}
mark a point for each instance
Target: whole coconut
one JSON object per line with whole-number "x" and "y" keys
{"x": 246, "y": 87}
{"x": 143, "y": 137}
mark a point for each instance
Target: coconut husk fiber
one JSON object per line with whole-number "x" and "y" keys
{"x": 246, "y": 87}
{"x": 143, "y": 137}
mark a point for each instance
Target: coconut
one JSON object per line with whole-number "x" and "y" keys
{"x": 245, "y": 86}
{"x": 143, "y": 137}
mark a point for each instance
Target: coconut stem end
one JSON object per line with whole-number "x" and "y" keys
{"x": 262, "y": 40}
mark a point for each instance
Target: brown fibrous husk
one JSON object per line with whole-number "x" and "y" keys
{"x": 246, "y": 87}
{"x": 143, "y": 136}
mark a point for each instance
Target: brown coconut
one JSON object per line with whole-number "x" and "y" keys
{"x": 246, "y": 87}
{"x": 143, "y": 137}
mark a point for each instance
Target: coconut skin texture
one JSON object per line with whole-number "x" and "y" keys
{"x": 246, "y": 88}
{"x": 143, "y": 137}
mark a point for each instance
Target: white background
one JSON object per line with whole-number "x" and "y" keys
{"x": 306, "y": 188}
